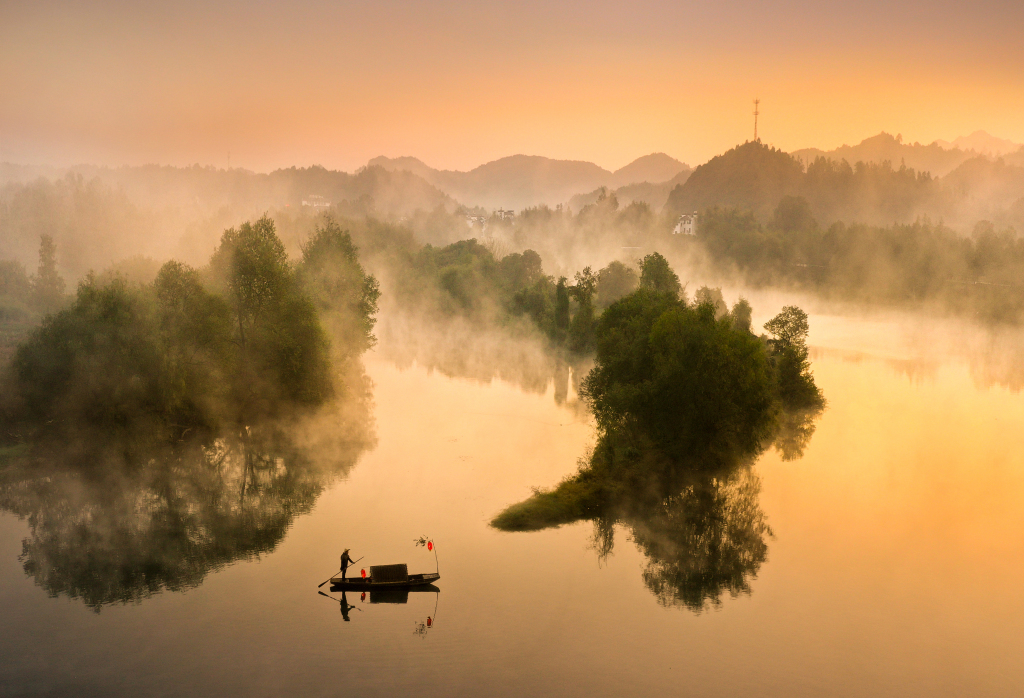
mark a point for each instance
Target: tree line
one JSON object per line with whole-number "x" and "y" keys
{"x": 249, "y": 336}
{"x": 680, "y": 387}
{"x": 915, "y": 265}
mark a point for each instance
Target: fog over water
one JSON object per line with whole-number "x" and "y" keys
{"x": 512, "y": 349}
{"x": 889, "y": 568}
{"x": 869, "y": 548}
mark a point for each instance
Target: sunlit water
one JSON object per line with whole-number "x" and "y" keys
{"x": 895, "y": 568}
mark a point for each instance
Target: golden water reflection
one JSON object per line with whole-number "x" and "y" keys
{"x": 116, "y": 523}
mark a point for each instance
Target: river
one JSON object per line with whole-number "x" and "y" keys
{"x": 894, "y": 563}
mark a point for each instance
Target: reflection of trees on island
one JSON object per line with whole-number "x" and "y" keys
{"x": 705, "y": 540}
{"x": 457, "y": 348}
{"x": 110, "y": 527}
{"x": 685, "y": 398}
{"x": 703, "y": 535}
{"x": 169, "y": 401}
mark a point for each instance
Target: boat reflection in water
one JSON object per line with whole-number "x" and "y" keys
{"x": 387, "y": 596}
{"x": 119, "y": 522}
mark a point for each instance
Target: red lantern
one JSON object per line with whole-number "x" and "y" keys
{"x": 429, "y": 622}
{"x": 362, "y": 597}
{"x": 364, "y": 573}
{"x": 430, "y": 545}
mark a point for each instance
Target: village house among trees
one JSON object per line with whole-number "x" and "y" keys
{"x": 686, "y": 225}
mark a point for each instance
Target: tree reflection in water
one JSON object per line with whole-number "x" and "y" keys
{"x": 118, "y": 523}
{"x": 706, "y": 540}
{"x": 703, "y": 533}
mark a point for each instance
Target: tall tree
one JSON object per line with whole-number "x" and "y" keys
{"x": 48, "y": 284}
{"x": 581, "y": 330}
{"x": 284, "y": 349}
{"x": 657, "y": 275}
{"x": 561, "y": 306}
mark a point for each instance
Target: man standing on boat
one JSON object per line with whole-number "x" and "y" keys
{"x": 346, "y": 560}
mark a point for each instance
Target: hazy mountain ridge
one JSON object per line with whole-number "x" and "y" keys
{"x": 755, "y": 177}
{"x": 520, "y": 181}
{"x": 99, "y": 214}
{"x": 655, "y": 195}
{"x": 938, "y": 158}
{"x": 206, "y": 189}
{"x": 982, "y": 143}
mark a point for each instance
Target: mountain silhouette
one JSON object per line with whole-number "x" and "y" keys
{"x": 938, "y": 158}
{"x": 983, "y": 144}
{"x": 752, "y": 177}
{"x": 519, "y": 181}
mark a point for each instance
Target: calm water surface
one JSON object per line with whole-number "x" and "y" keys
{"x": 894, "y": 566}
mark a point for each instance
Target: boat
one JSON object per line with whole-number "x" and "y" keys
{"x": 385, "y": 577}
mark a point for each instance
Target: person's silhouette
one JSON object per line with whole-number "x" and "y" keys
{"x": 346, "y": 560}
{"x": 345, "y": 606}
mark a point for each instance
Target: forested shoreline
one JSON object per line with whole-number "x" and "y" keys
{"x": 248, "y": 337}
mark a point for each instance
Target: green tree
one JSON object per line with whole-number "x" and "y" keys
{"x": 694, "y": 387}
{"x": 14, "y": 281}
{"x": 796, "y": 386}
{"x": 95, "y": 363}
{"x": 284, "y": 351}
{"x": 742, "y": 314}
{"x": 48, "y": 284}
{"x": 713, "y": 298}
{"x": 657, "y": 275}
{"x": 195, "y": 333}
{"x": 615, "y": 281}
{"x": 519, "y": 271}
{"x": 345, "y": 296}
{"x": 562, "y": 306}
{"x": 581, "y": 330}
{"x": 789, "y": 327}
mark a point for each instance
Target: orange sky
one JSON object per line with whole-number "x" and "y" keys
{"x": 457, "y": 84}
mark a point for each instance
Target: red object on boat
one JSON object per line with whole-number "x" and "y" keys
{"x": 364, "y": 573}
{"x": 362, "y": 597}
{"x": 430, "y": 545}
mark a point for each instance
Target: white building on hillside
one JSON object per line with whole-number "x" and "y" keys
{"x": 687, "y": 224}
{"x": 316, "y": 201}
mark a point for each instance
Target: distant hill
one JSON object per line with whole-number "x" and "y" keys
{"x": 1015, "y": 158}
{"x": 520, "y": 181}
{"x": 983, "y": 144}
{"x": 203, "y": 190}
{"x": 655, "y": 195}
{"x": 985, "y": 189}
{"x": 933, "y": 158}
{"x": 98, "y": 215}
{"x": 752, "y": 176}
{"x": 652, "y": 169}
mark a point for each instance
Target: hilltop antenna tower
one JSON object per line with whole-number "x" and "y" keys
{"x": 756, "y": 112}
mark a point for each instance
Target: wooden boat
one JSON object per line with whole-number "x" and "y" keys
{"x": 384, "y": 577}
{"x": 380, "y": 593}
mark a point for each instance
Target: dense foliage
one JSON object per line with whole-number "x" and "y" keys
{"x": 672, "y": 375}
{"x": 754, "y": 178}
{"x": 916, "y": 265}
{"x": 681, "y": 388}
{"x": 685, "y": 396}
{"x": 233, "y": 343}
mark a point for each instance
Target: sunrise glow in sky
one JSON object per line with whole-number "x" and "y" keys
{"x": 457, "y": 83}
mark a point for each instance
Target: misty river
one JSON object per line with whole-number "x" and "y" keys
{"x": 886, "y": 561}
